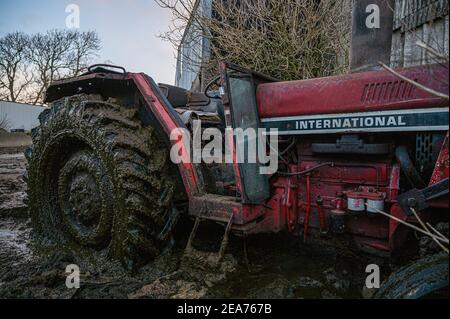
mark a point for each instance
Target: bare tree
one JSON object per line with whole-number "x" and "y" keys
{"x": 30, "y": 63}
{"x": 4, "y": 124}
{"x": 84, "y": 48}
{"x": 4, "y": 96}
{"x": 290, "y": 39}
{"x": 15, "y": 76}
{"x": 58, "y": 54}
{"x": 48, "y": 54}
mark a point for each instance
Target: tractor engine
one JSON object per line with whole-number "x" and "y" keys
{"x": 340, "y": 183}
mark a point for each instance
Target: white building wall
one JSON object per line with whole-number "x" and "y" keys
{"x": 20, "y": 116}
{"x": 193, "y": 50}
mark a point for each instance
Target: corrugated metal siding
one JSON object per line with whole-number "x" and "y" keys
{"x": 414, "y": 20}
{"x": 20, "y": 116}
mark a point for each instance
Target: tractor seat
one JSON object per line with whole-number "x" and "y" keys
{"x": 189, "y": 104}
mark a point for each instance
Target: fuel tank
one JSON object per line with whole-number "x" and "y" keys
{"x": 357, "y": 92}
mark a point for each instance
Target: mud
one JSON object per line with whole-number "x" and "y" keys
{"x": 13, "y": 142}
{"x": 281, "y": 271}
{"x": 277, "y": 266}
{"x": 13, "y": 195}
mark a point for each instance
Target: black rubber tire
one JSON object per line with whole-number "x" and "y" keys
{"x": 424, "y": 278}
{"x": 98, "y": 178}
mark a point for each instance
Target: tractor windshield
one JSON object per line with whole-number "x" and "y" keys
{"x": 240, "y": 102}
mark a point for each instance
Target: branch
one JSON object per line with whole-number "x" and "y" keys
{"x": 420, "y": 230}
{"x": 426, "y": 229}
{"x": 432, "y": 50}
{"x": 412, "y": 82}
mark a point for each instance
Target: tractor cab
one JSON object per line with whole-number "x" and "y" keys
{"x": 231, "y": 108}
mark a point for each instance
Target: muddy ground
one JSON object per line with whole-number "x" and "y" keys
{"x": 277, "y": 266}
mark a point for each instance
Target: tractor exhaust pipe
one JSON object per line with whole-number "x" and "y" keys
{"x": 372, "y": 26}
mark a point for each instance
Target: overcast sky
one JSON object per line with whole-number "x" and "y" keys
{"x": 128, "y": 29}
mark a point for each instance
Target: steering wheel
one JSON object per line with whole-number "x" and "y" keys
{"x": 214, "y": 81}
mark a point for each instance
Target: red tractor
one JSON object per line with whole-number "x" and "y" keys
{"x": 351, "y": 148}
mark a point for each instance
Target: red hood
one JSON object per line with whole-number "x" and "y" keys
{"x": 358, "y": 92}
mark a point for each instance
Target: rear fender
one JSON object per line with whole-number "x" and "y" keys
{"x": 133, "y": 90}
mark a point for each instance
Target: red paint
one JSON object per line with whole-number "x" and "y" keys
{"x": 358, "y": 92}
{"x": 169, "y": 123}
{"x": 308, "y": 208}
{"x": 441, "y": 170}
{"x": 289, "y": 203}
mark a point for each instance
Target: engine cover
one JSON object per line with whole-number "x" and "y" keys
{"x": 357, "y": 92}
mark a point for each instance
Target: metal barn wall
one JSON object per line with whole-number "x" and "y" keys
{"x": 414, "y": 20}
{"x": 20, "y": 116}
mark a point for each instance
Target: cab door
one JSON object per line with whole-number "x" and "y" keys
{"x": 239, "y": 98}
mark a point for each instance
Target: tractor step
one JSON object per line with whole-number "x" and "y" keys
{"x": 223, "y": 245}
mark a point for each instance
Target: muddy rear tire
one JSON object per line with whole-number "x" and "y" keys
{"x": 98, "y": 178}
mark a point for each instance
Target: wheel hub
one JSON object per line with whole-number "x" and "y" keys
{"x": 84, "y": 196}
{"x": 83, "y": 199}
